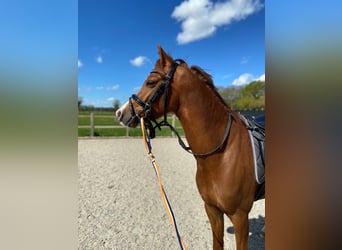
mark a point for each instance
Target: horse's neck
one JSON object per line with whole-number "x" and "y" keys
{"x": 204, "y": 119}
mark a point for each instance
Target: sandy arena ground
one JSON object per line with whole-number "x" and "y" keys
{"x": 120, "y": 205}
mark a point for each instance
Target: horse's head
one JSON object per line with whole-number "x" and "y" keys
{"x": 155, "y": 96}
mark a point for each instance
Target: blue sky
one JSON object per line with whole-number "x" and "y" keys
{"x": 117, "y": 42}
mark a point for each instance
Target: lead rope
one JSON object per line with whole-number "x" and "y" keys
{"x": 148, "y": 148}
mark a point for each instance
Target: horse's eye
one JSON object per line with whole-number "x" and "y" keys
{"x": 151, "y": 83}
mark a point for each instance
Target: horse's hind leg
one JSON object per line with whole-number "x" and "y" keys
{"x": 241, "y": 229}
{"x": 216, "y": 222}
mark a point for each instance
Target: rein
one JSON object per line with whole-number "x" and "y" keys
{"x": 187, "y": 148}
{"x": 163, "y": 89}
{"x": 148, "y": 148}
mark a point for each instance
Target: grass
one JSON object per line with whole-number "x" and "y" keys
{"x": 110, "y": 120}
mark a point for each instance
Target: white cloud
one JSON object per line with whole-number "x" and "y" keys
{"x": 84, "y": 89}
{"x": 244, "y": 60}
{"x": 135, "y": 89}
{"x": 243, "y": 80}
{"x": 246, "y": 78}
{"x": 261, "y": 78}
{"x": 109, "y": 88}
{"x": 79, "y": 63}
{"x": 110, "y": 99}
{"x": 99, "y": 59}
{"x": 114, "y": 87}
{"x": 201, "y": 18}
{"x": 139, "y": 61}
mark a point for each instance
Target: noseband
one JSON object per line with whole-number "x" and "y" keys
{"x": 162, "y": 89}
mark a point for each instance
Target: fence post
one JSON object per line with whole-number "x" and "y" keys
{"x": 91, "y": 124}
{"x": 127, "y": 131}
{"x": 173, "y": 124}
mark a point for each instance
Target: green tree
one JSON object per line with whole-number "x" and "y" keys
{"x": 252, "y": 96}
{"x": 116, "y": 105}
{"x": 230, "y": 95}
{"x": 249, "y": 97}
{"x": 80, "y": 101}
{"x": 255, "y": 89}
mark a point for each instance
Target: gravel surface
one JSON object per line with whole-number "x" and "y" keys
{"x": 120, "y": 205}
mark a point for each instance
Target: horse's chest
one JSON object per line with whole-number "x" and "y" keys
{"x": 217, "y": 182}
{"x": 208, "y": 185}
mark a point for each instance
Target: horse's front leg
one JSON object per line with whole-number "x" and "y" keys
{"x": 241, "y": 229}
{"x": 216, "y": 222}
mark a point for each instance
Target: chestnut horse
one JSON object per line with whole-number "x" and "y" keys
{"x": 217, "y": 136}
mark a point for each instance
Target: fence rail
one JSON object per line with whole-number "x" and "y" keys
{"x": 92, "y": 125}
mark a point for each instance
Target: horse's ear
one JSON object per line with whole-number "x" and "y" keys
{"x": 165, "y": 59}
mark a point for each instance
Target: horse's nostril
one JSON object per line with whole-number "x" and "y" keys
{"x": 118, "y": 114}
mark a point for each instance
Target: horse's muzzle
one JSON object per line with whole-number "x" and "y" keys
{"x": 124, "y": 116}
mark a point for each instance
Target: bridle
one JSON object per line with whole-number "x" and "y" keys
{"x": 163, "y": 88}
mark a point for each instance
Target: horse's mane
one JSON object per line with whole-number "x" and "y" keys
{"x": 205, "y": 77}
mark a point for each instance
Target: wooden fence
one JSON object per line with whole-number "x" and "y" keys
{"x": 92, "y": 125}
